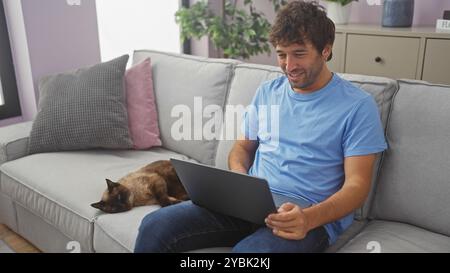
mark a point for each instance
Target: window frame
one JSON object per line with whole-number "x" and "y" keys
{"x": 11, "y": 106}
{"x": 187, "y": 43}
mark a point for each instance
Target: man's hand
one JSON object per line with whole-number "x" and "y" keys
{"x": 289, "y": 222}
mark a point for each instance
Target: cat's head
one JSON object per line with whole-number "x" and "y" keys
{"x": 116, "y": 198}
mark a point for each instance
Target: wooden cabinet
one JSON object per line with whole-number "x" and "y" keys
{"x": 436, "y": 67}
{"x": 398, "y": 53}
{"x": 382, "y": 55}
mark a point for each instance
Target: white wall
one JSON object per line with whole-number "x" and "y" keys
{"x": 125, "y": 26}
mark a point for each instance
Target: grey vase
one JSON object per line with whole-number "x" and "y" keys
{"x": 398, "y": 13}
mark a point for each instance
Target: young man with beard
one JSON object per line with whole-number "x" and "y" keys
{"x": 329, "y": 134}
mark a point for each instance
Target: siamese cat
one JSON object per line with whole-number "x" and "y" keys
{"x": 154, "y": 184}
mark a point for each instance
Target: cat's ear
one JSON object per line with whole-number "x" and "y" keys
{"x": 98, "y": 205}
{"x": 111, "y": 185}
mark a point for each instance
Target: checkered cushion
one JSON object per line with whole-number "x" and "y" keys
{"x": 82, "y": 109}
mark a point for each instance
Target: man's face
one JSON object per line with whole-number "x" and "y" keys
{"x": 301, "y": 63}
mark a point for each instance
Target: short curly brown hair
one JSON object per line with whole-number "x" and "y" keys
{"x": 301, "y": 21}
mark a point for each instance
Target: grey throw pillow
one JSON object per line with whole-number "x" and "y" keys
{"x": 82, "y": 109}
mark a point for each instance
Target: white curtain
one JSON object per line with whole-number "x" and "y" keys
{"x": 128, "y": 25}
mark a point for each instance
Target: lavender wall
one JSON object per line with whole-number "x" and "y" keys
{"x": 60, "y": 37}
{"x": 425, "y": 12}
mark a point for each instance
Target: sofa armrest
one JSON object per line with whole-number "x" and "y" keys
{"x": 14, "y": 141}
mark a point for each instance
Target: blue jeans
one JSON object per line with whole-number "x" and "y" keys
{"x": 185, "y": 226}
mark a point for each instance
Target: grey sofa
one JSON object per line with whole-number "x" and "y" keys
{"x": 45, "y": 197}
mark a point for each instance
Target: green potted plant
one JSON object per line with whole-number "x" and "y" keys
{"x": 339, "y": 10}
{"x": 238, "y": 32}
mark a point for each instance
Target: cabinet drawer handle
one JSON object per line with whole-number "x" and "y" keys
{"x": 378, "y": 60}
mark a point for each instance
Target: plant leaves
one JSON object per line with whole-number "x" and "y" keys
{"x": 239, "y": 33}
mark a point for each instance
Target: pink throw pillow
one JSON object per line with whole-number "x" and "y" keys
{"x": 142, "y": 115}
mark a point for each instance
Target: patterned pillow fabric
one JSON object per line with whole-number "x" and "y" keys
{"x": 82, "y": 109}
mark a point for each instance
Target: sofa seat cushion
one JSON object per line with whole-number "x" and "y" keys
{"x": 347, "y": 235}
{"x": 59, "y": 187}
{"x": 116, "y": 233}
{"x": 397, "y": 237}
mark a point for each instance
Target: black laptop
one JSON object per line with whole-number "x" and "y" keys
{"x": 230, "y": 193}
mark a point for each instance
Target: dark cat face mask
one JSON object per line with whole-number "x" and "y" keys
{"x": 115, "y": 199}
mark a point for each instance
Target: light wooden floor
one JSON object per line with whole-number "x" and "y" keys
{"x": 15, "y": 242}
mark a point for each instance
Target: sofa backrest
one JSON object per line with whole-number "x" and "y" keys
{"x": 179, "y": 81}
{"x": 248, "y": 77}
{"x": 383, "y": 90}
{"x": 246, "y": 80}
{"x": 413, "y": 185}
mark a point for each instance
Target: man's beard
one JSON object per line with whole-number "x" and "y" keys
{"x": 310, "y": 77}
{"x": 300, "y": 85}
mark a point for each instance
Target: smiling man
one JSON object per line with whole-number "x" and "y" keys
{"x": 329, "y": 133}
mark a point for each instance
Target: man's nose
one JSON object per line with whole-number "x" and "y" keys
{"x": 290, "y": 64}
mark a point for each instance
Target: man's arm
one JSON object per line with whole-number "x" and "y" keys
{"x": 291, "y": 222}
{"x": 242, "y": 155}
{"x": 358, "y": 176}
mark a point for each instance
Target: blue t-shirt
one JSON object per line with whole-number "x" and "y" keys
{"x": 304, "y": 138}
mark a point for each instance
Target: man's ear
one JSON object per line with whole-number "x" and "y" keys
{"x": 327, "y": 52}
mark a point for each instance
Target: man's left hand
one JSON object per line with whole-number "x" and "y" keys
{"x": 289, "y": 222}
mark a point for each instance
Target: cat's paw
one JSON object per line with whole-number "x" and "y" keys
{"x": 174, "y": 200}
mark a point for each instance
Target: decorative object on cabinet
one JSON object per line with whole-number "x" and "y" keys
{"x": 446, "y": 15}
{"x": 339, "y": 11}
{"x": 398, "y": 13}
